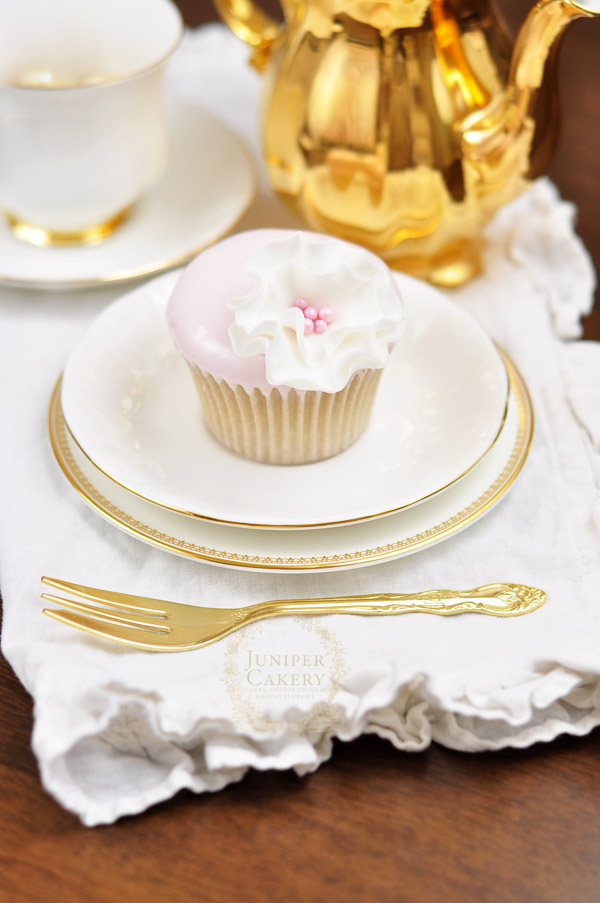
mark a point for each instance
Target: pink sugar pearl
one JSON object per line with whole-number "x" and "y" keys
{"x": 327, "y": 315}
{"x": 320, "y": 325}
{"x": 311, "y": 313}
{"x": 309, "y": 326}
{"x": 301, "y": 303}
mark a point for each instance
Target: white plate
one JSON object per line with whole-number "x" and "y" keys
{"x": 131, "y": 404}
{"x": 297, "y": 551}
{"x": 209, "y": 184}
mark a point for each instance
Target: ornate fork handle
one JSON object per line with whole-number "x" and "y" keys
{"x": 174, "y": 627}
{"x": 504, "y": 600}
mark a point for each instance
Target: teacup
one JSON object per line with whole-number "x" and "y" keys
{"x": 82, "y": 130}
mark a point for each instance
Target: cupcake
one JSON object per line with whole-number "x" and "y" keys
{"x": 286, "y": 335}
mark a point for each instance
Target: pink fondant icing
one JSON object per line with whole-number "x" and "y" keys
{"x": 199, "y": 317}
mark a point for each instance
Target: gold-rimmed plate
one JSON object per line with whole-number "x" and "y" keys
{"x": 209, "y": 184}
{"x": 297, "y": 551}
{"x": 131, "y": 405}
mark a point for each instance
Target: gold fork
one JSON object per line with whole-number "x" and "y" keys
{"x": 172, "y": 627}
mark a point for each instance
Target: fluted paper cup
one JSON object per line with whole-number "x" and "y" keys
{"x": 287, "y": 426}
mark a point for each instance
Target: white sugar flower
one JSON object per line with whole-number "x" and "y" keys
{"x": 347, "y": 293}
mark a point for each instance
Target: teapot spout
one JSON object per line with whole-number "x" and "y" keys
{"x": 504, "y": 131}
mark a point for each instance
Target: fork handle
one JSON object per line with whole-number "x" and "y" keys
{"x": 500, "y": 599}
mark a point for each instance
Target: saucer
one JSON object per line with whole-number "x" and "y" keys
{"x": 298, "y": 551}
{"x": 131, "y": 404}
{"x": 209, "y": 184}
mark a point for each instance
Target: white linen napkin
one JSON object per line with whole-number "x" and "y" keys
{"x": 117, "y": 730}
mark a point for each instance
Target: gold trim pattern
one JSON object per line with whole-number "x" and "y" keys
{"x": 44, "y": 238}
{"x": 60, "y": 444}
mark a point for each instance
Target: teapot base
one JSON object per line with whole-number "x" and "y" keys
{"x": 451, "y": 267}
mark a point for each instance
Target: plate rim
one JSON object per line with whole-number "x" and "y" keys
{"x": 321, "y": 525}
{"x": 326, "y": 524}
{"x": 473, "y": 511}
{"x": 160, "y": 266}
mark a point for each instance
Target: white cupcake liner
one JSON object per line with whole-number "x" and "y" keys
{"x": 291, "y": 427}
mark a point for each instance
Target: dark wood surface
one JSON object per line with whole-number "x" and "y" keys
{"x": 373, "y": 823}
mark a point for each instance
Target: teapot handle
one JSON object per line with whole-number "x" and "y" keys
{"x": 250, "y": 23}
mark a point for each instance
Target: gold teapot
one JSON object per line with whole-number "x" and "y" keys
{"x": 402, "y": 125}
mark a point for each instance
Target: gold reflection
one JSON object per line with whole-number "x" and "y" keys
{"x": 404, "y": 124}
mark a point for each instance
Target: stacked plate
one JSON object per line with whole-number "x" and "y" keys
{"x": 450, "y": 431}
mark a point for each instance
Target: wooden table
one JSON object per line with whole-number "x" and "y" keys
{"x": 374, "y": 823}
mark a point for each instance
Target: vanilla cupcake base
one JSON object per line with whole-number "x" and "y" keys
{"x": 290, "y": 427}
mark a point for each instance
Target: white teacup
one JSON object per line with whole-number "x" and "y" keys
{"x": 82, "y": 131}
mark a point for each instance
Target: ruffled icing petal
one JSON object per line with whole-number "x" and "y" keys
{"x": 329, "y": 273}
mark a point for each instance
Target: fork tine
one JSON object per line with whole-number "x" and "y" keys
{"x": 129, "y": 636}
{"x": 107, "y": 615}
{"x": 154, "y": 607}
